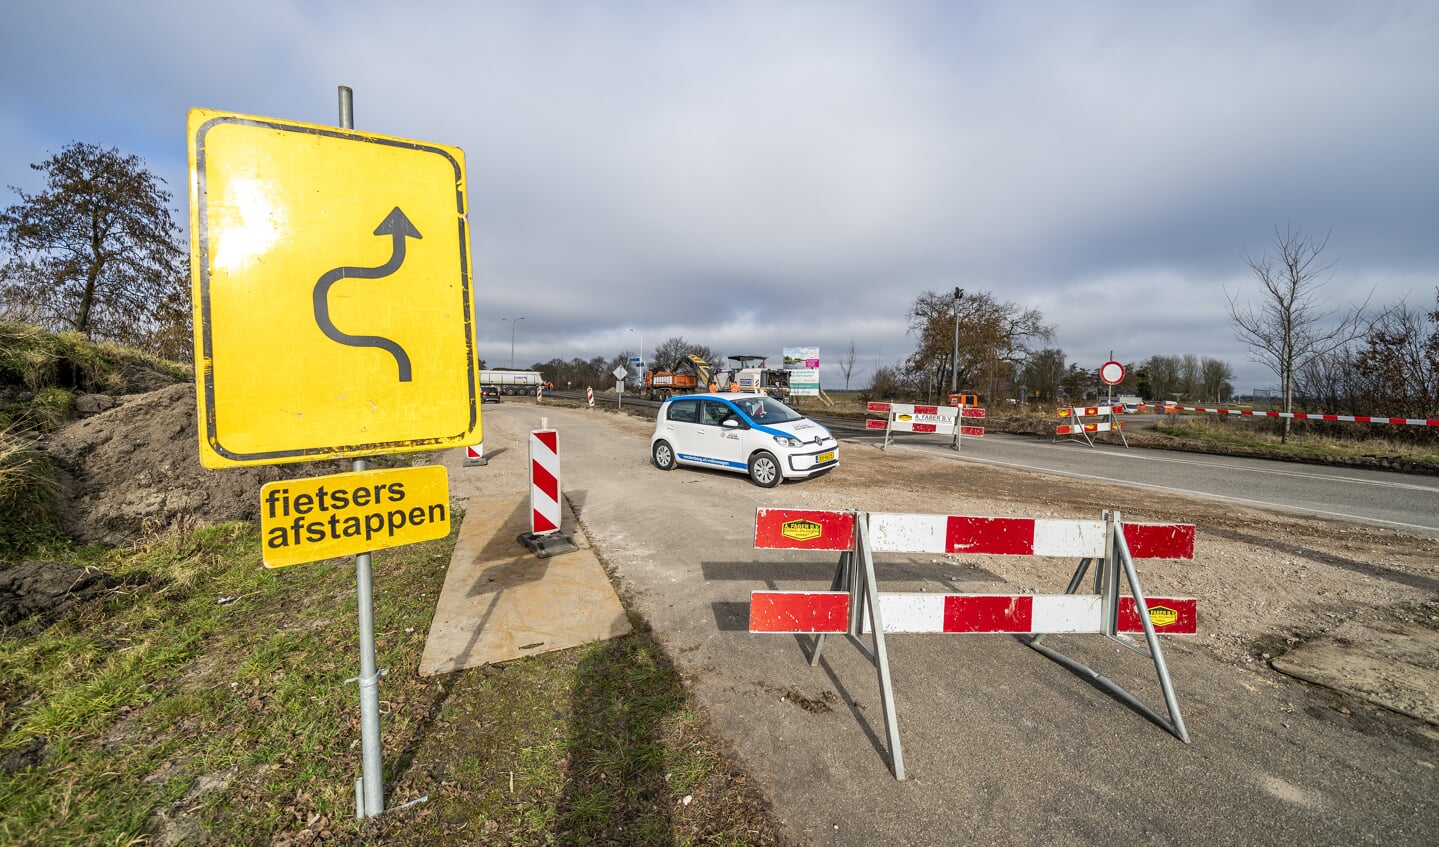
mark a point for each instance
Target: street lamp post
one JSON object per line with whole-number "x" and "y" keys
{"x": 512, "y": 321}
{"x": 641, "y": 334}
{"x": 954, "y": 371}
{"x": 642, "y": 343}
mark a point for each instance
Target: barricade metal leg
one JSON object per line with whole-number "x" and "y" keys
{"x": 1110, "y": 575}
{"x": 1176, "y": 720}
{"x": 880, "y": 656}
{"x": 1107, "y": 584}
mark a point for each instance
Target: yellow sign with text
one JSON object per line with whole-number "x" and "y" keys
{"x": 334, "y": 309}
{"x": 306, "y": 520}
{"x": 801, "y": 530}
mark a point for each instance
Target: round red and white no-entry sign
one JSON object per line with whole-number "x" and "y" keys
{"x": 1111, "y": 373}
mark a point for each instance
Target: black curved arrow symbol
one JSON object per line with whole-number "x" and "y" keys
{"x": 398, "y": 227}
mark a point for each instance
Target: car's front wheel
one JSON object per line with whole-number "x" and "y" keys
{"x": 764, "y": 470}
{"x": 664, "y": 456}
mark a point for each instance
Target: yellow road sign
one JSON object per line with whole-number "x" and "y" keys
{"x": 306, "y": 520}
{"x": 334, "y": 313}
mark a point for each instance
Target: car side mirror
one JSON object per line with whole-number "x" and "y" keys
{"x": 731, "y": 423}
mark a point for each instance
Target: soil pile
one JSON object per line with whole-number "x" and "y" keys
{"x": 134, "y": 470}
{"x": 47, "y": 589}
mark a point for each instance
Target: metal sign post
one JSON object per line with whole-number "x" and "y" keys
{"x": 620, "y": 374}
{"x": 264, "y": 304}
{"x": 370, "y": 787}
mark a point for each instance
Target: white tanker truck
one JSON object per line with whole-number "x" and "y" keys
{"x": 510, "y": 381}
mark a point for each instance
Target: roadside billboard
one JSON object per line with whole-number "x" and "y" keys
{"x": 803, "y": 366}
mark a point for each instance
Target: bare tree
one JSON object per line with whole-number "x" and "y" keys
{"x": 1043, "y": 373}
{"x": 1216, "y": 379}
{"x": 994, "y": 339}
{"x": 98, "y": 252}
{"x": 886, "y": 383}
{"x": 1079, "y": 383}
{"x": 1399, "y": 362}
{"x": 1191, "y": 379}
{"x": 670, "y": 351}
{"x": 1289, "y": 326}
{"x": 846, "y": 365}
{"x": 1161, "y": 375}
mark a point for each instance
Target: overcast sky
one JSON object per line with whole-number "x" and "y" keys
{"x": 754, "y": 176}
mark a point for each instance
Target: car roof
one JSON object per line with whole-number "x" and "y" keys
{"x": 723, "y": 395}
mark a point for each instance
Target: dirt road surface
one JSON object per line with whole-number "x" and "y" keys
{"x": 1003, "y": 746}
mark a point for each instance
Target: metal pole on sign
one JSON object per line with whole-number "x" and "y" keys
{"x": 370, "y": 787}
{"x": 347, "y": 107}
{"x": 1109, "y": 392}
{"x": 954, "y": 365}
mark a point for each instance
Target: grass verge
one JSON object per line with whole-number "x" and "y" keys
{"x": 205, "y": 701}
{"x": 29, "y": 499}
{"x": 1254, "y": 434}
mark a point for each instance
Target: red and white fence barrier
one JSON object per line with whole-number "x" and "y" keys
{"x": 817, "y": 612}
{"x": 1303, "y": 416}
{"x": 1073, "y": 423}
{"x": 855, "y": 607}
{"x": 1090, "y": 411}
{"x": 941, "y": 420}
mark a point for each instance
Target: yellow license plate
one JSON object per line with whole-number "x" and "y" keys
{"x": 824, "y": 457}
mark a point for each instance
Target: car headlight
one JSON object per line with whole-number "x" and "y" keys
{"x": 786, "y": 441}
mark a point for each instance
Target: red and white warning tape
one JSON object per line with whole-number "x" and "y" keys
{"x": 1306, "y": 417}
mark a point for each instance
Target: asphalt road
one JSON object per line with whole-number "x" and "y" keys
{"x": 1378, "y": 497}
{"x": 1002, "y": 746}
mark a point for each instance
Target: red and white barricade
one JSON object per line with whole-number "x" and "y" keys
{"x": 941, "y": 420}
{"x": 1105, "y": 419}
{"x": 544, "y": 481}
{"x": 475, "y": 455}
{"x": 590, "y": 397}
{"x": 854, "y": 606}
{"x": 544, "y": 537}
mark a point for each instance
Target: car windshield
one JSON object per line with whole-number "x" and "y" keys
{"x": 767, "y": 410}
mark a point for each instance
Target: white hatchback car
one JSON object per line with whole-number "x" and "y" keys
{"x": 748, "y": 433}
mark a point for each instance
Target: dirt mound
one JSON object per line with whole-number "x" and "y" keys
{"x": 47, "y": 588}
{"x": 140, "y": 377}
{"x": 135, "y": 469}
